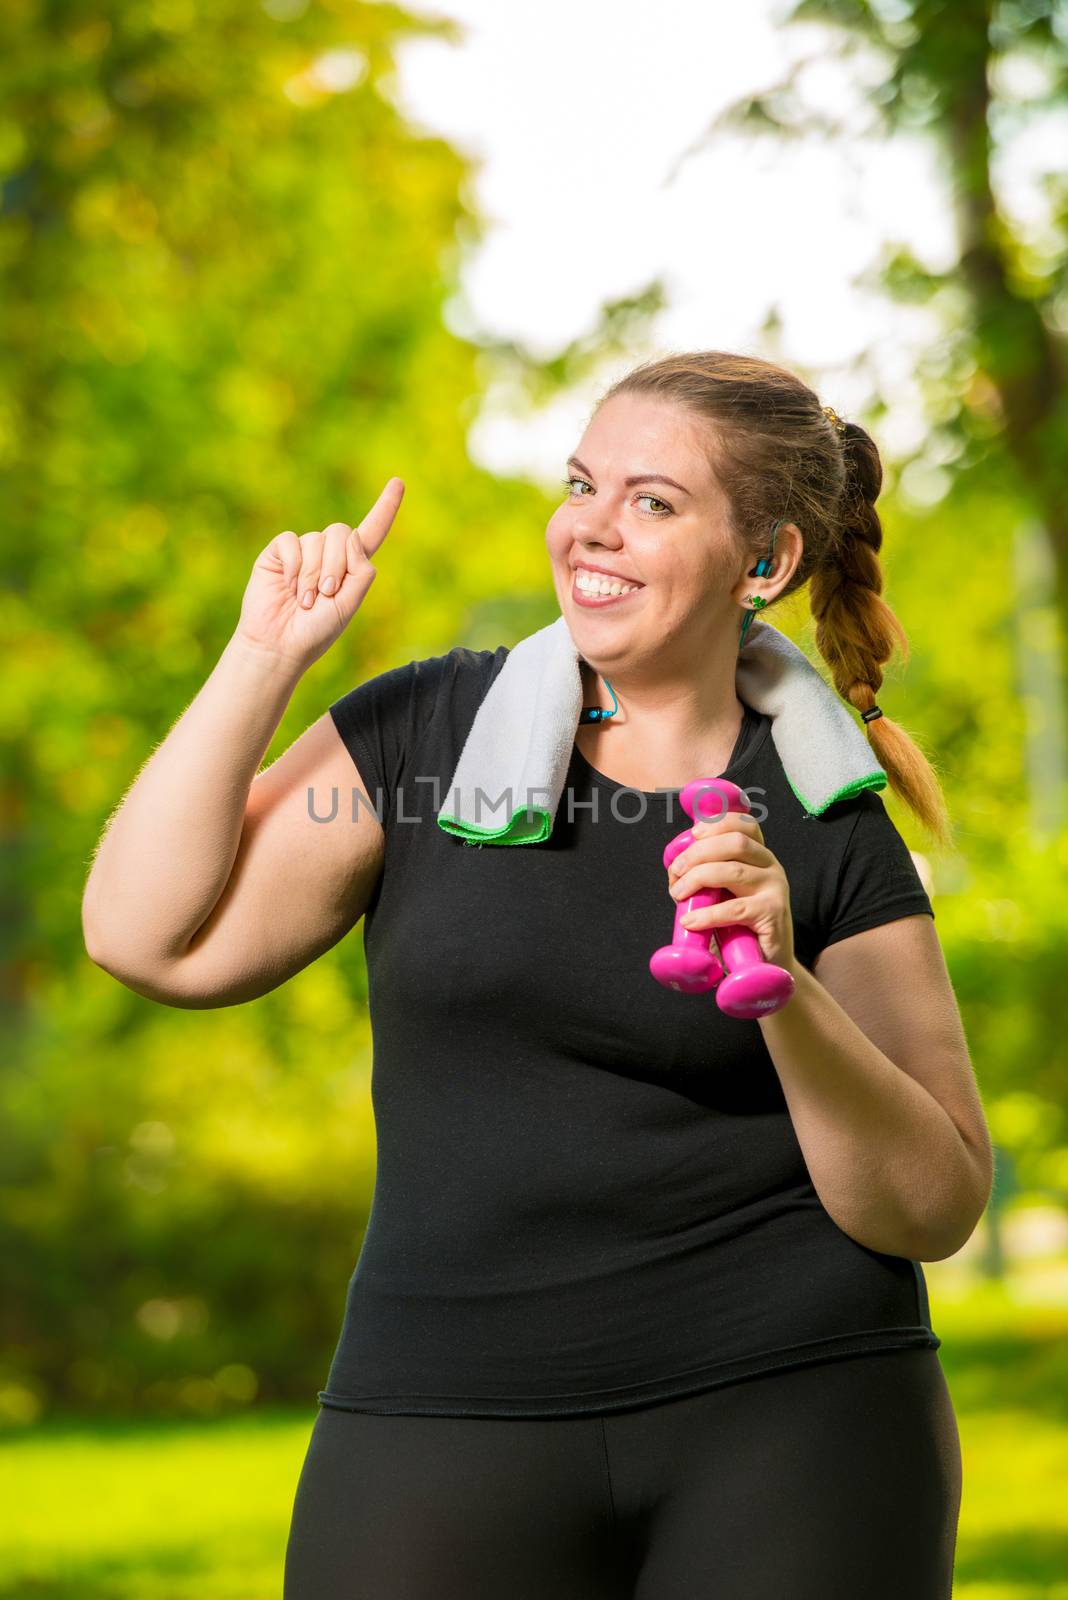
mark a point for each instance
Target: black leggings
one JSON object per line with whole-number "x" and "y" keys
{"x": 825, "y": 1482}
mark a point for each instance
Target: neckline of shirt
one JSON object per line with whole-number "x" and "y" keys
{"x": 752, "y": 736}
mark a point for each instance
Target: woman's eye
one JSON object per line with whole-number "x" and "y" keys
{"x": 570, "y": 482}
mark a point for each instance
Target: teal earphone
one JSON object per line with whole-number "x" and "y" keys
{"x": 763, "y": 567}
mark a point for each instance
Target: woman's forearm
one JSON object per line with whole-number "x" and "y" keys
{"x": 886, "y": 1160}
{"x": 168, "y": 850}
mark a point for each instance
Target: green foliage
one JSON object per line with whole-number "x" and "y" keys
{"x": 971, "y": 76}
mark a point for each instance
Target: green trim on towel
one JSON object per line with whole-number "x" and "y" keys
{"x": 848, "y": 791}
{"x": 533, "y": 825}
{"x": 529, "y": 826}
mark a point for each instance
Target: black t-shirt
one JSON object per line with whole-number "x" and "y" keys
{"x": 589, "y": 1193}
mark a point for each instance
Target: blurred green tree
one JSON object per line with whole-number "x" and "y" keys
{"x": 971, "y": 76}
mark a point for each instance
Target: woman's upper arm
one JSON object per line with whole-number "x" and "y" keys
{"x": 297, "y": 885}
{"x": 882, "y": 961}
{"x": 893, "y": 981}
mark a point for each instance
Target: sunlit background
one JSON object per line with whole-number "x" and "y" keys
{"x": 256, "y": 260}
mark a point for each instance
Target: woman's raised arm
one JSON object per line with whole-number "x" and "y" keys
{"x": 212, "y": 882}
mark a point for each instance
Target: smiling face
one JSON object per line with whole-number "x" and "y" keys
{"x": 644, "y": 509}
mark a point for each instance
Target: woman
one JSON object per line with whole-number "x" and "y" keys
{"x": 639, "y": 1310}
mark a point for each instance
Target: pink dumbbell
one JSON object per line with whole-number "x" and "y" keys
{"x": 690, "y": 964}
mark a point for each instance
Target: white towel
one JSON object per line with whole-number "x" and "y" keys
{"x": 513, "y": 766}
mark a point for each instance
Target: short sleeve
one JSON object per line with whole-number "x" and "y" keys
{"x": 380, "y": 720}
{"x": 877, "y": 878}
{"x": 382, "y": 723}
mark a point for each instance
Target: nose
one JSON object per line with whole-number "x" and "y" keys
{"x": 602, "y": 533}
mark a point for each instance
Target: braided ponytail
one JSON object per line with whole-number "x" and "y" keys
{"x": 856, "y": 630}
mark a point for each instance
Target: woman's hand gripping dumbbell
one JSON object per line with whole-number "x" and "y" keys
{"x": 725, "y": 846}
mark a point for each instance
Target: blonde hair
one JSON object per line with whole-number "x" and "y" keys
{"x": 777, "y": 455}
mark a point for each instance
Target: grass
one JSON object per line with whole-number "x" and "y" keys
{"x": 1005, "y": 1355}
{"x": 150, "y": 1510}
{"x": 143, "y": 1510}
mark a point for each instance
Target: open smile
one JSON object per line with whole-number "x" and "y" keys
{"x": 595, "y": 590}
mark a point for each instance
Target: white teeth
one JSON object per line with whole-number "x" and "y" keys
{"x": 593, "y": 583}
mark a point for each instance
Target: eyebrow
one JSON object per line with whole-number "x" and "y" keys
{"x": 638, "y": 477}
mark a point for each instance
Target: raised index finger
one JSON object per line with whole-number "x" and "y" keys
{"x": 378, "y": 521}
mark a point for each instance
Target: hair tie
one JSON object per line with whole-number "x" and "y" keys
{"x": 833, "y": 418}
{"x": 869, "y": 716}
